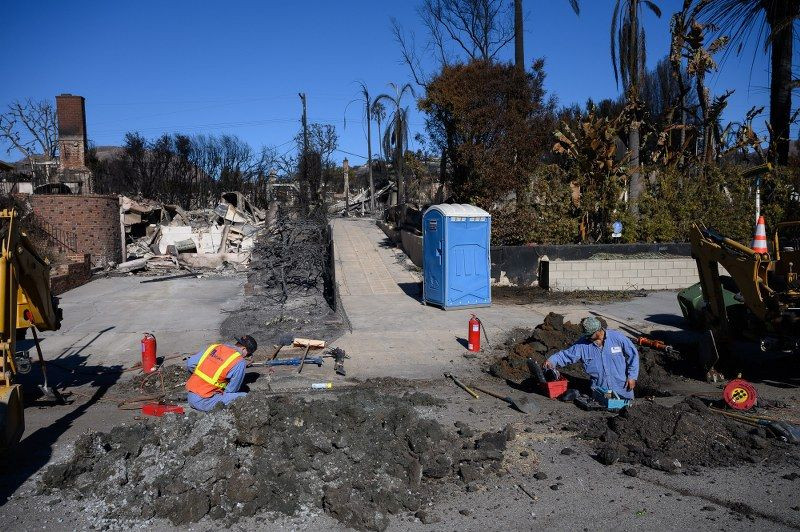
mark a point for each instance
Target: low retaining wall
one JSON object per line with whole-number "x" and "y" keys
{"x": 624, "y": 274}
{"x": 409, "y": 242}
{"x": 72, "y": 275}
{"x": 519, "y": 265}
{"x": 412, "y": 245}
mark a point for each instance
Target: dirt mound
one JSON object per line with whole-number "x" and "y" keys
{"x": 554, "y": 334}
{"x": 684, "y": 437}
{"x": 360, "y": 456}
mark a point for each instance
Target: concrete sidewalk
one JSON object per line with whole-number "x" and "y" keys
{"x": 394, "y": 334}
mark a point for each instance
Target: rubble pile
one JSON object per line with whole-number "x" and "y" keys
{"x": 684, "y": 437}
{"x": 361, "y": 457}
{"x": 166, "y": 237}
{"x": 554, "y": 334}
{"x": 289, "y": 285}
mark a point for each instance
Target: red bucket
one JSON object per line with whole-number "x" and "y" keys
{"x": 554, "y": 389}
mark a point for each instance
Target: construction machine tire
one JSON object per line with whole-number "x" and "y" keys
{"x": 12, "y": 416}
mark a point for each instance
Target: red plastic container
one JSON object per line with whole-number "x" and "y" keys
{"x": 158, "y": 410}
{"x": 554, "y": 389}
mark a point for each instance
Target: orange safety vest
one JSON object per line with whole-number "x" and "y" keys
{"x": 211, "y": 373}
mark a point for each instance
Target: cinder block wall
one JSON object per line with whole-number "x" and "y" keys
{"x": 93, "y": 218}
{"x": 649, "y": 274}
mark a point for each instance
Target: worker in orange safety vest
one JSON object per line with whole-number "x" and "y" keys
{"x": 217, "y": 373}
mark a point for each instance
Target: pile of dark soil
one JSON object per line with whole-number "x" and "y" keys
{"x": 167, "y": 380}
{"x": 684, "y": 437}
{"x": 554, "y": 334}
{"x": 290, "y": 286}
{"x": 360, "y": 456}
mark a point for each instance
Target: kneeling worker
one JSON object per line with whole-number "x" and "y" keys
{"x": 217, "y": 373}
{"x": 608, "y": 356}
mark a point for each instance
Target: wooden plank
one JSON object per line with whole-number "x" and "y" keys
{"x": 309, "y": 342}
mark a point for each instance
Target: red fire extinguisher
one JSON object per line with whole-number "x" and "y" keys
{"x": 474, "y": 334}
{"x": 148, "y": 353}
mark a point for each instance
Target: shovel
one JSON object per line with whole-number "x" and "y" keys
{"x": 524, "y": 404}
{"x": 50, "y": 393}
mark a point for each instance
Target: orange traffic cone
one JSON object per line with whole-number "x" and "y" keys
{"x": 760, "y": 239}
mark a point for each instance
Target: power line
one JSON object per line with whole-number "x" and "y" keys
{"x": 350, "y": 153}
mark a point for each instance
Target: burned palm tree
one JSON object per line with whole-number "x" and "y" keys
{"x": 769, "y": 23}
{"x": 628, "y": 58}
{"x": 395, "y": 138}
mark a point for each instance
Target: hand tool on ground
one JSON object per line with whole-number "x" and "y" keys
{"x": 308, "y": 344}
{"x": 460, "y": 384}
{"x": 781, "y": 429}
{"x": 524, "y": 404}
{"x": 655, "y": 344}
{"x": 303, "y": 360}
{"x": 338, "y": 354}
{"x": 50, "y": 393}
{"x": 294, "y": 361}
{"x": 283, "y": 340}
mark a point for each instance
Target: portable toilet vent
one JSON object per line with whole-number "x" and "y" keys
{"x": 455, "y": 257}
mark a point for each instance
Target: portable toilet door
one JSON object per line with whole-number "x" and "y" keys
{"x": 433, "y": 257}
{"x": 456, "y": 256}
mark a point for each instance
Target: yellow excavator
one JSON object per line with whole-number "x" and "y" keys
{"x": 26, "y": 302}
{"x": 757, "y": 300}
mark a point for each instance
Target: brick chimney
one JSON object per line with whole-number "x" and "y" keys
{"x": 72, "y": 143}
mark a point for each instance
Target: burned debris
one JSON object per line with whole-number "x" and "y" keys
{"x": 167, "y": 237}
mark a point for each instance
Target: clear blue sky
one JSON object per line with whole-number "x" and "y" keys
{"x": 237, "y": 66}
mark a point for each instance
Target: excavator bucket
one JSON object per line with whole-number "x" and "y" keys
{"x": 12, "y": 420}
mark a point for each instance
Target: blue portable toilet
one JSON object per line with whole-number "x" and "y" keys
{"x": 455, "y": 256}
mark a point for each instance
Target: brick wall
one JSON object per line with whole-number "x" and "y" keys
{"x": 650, "y": 274}
{"x": 70, "y": 276}
{"x": 94, "y": 219}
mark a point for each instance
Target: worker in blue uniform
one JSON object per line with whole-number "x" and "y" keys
{"x": 608, "y": 356}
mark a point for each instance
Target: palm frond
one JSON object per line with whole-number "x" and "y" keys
{"x": 741, "y": 20}
{"x": 653, "y": 7}
{"x": 614, "y": 23}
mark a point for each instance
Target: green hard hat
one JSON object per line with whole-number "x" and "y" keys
{"x": 590, "y": 325}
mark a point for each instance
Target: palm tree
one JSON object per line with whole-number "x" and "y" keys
{"x": 379, "y": 114}
{"x": 743, "y": 20}
{"x": 368, "y": 109}
{"x": 627, "y": 34}
{"x": 396, "y": 133}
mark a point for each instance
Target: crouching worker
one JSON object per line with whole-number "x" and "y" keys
{"x": 608, "y": 356}
{"x": 217, "y": 373}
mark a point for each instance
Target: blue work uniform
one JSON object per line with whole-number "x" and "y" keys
{"x": 608, "y": 366}
{"x": 231, "y": 392}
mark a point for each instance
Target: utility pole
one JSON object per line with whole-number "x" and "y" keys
{"x": 305, "y": 147}
{"x": 346, "y": 167}
{"x": 369, "y": 156}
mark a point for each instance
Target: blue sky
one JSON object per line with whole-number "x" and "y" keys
{"x": 237, "y": 66}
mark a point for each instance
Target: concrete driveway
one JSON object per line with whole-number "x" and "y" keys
{"x": 100, "y": 335}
